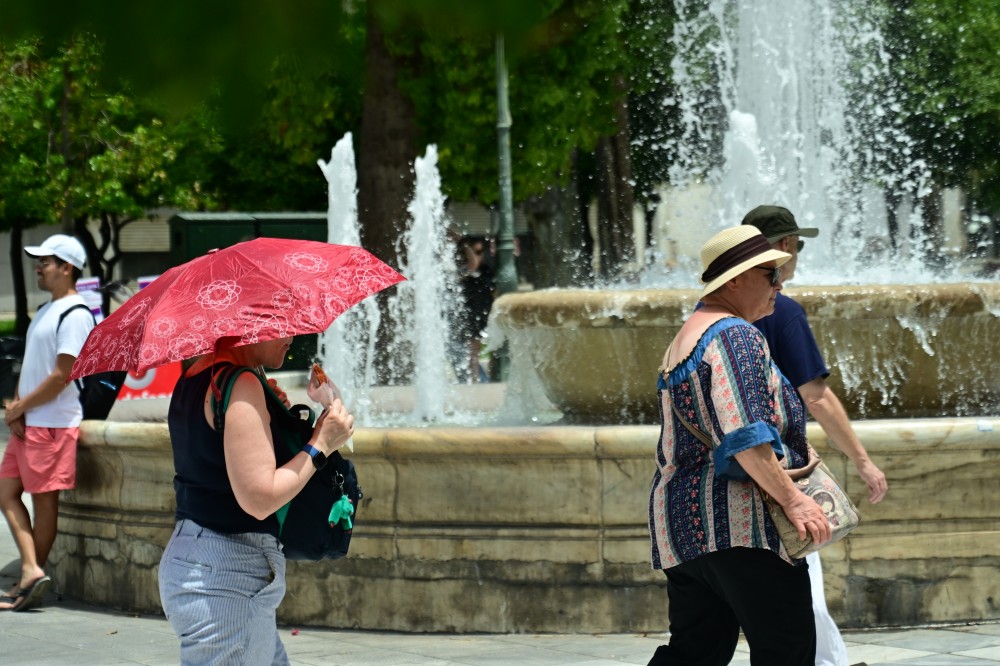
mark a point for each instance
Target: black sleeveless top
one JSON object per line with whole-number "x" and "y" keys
{"x": 204, "y": 493}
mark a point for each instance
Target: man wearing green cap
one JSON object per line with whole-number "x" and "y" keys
{"x": 795, "y": 352}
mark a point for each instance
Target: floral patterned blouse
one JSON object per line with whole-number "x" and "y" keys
{"x": 702, "y": 501}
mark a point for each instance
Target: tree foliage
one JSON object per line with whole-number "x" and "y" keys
{"x": 949, "y": 64}
{"x": 73, "y": 150}
{"x": 295, "y": 75}
{"x": 29, "y": 180}
{"x": 561, "y": 73}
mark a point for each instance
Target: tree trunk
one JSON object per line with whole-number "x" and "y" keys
{"x": 615, "y": 197}
{"x": 933, "y": 229}
{"x": 102, "y": 259}
{"x": 560, "y": 256}
{"x": 387, "y": 149}
{"x": 17, "y": 255}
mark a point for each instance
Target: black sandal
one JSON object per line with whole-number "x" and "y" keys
{"x": 33, "y": 595}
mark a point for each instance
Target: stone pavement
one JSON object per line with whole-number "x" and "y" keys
{"x": 67, "y": 631}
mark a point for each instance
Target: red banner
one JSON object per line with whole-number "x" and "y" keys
{"x": 154, "y": 383}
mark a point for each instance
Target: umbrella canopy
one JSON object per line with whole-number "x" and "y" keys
{"x": 263, "y": 289}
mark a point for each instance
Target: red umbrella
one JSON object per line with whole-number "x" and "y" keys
{"x": 263, "y": 289}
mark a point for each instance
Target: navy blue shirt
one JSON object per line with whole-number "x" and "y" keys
{"x": 793, "y": 347}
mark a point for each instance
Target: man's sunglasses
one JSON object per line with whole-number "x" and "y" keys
{"x": 775, "y": 273}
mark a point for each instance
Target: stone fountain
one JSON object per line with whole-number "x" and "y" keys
{"x": 543, "y": 528}
{"x": 897, "y": 351}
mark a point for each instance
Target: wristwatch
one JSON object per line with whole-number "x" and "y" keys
{"x": 318, "y": 457}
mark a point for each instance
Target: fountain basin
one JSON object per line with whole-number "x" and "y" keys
{"x": 894, "y": 351}
{"x": 544, "y": 529}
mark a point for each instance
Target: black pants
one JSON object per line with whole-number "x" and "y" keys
{"x": 713, "y": 596}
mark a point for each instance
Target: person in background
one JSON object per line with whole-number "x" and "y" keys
{"x": 709, "y": 528}
{"x": 44, "y": 417}
{"x": 476, "y": 277}
{"x": 795, "y": 352}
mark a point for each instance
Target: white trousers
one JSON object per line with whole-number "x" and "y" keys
{"x": 830, "y": 648}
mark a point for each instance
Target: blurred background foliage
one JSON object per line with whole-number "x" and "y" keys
{"x": 111, "y": 107}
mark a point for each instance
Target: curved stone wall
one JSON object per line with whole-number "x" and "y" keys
{"x": 543, "y": 530}
{"x": 894, "y": 351}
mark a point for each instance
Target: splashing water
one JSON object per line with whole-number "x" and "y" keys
{"x": 420, "y": 308}
{"x": 422, "y": 305}
{"x": 348, "y": 346}
{"x": 789, "y": 102}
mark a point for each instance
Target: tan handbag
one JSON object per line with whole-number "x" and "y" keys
{"x": 819, "y": 485}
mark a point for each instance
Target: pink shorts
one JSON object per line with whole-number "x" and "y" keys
{"x": 44, "y": 460}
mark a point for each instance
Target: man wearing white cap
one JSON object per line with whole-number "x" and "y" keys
{"x": 44, "y": 417}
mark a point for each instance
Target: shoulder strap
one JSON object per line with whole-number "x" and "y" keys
{"x": 78, "y": 381}
{"x": 70, "y": 309}
{"x": 699, "y": 435}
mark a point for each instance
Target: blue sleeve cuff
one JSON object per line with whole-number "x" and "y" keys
{"x": 745, "y": 438}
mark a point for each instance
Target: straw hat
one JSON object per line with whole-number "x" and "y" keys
{"x": 733, "y": 251}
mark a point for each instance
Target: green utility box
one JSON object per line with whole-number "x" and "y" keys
{"x": 194, "y": 234}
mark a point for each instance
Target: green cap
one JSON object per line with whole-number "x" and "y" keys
{"x": 776, "y": 222}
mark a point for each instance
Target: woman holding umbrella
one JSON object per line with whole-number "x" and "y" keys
{"x": 222, "y": 574}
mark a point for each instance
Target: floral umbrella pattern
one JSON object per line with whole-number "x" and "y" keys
{"x": 259, "y": 290}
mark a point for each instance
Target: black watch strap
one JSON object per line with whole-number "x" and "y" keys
{"x": 319, "y": 459}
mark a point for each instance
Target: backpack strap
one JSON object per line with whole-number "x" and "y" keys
{"x": 78, "y": 306}
{"x": 222, "y": 390}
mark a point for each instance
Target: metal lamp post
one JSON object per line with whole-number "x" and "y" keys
{"x": 506, "y": 270}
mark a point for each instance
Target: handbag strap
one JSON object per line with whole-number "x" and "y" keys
{"x": 702, "y": 437}
{"x": 699, "y": 435}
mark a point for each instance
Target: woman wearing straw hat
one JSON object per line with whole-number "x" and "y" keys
{"x": 711, "y": 534}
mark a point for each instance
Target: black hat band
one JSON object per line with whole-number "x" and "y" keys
{"x": 735, "y": 255}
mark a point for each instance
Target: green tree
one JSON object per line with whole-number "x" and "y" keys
{"x": 29, "y": 176}
{"x": 948, "y": 64}
{"x": 428, "y": 76}
{"x": 306, "y": 109}
{"x": 566, "y": 65}
{"x": 78, "y": 151}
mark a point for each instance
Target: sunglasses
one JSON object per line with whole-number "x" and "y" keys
{"x": 775, "y": 273}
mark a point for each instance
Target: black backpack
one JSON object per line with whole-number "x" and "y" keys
{"x": 97, "y": 392}
{"x": 305, "y": 530}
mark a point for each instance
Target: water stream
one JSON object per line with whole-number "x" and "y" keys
{"x": 790, "y": 102}
{"x": 420, "y": 309}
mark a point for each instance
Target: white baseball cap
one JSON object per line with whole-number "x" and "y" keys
{"x": 65, "y": 247}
